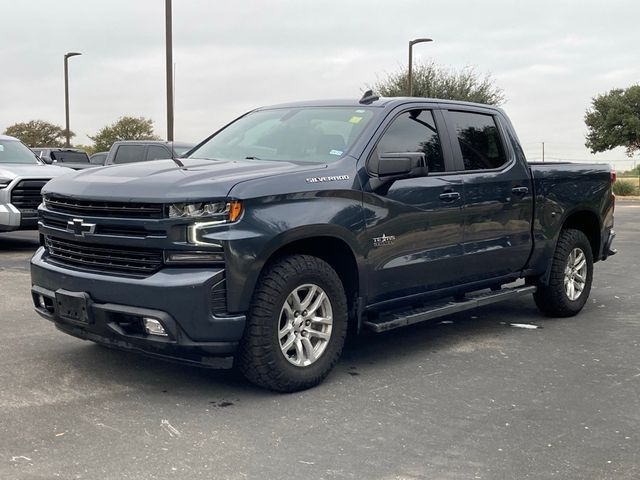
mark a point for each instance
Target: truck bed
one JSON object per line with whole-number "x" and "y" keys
{"x": 562, "y": 188}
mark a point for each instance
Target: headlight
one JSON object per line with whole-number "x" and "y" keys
{"x": 4, "y": 182}
{"x": 221, "y": 211}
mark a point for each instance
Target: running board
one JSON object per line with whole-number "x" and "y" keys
{"x": 389, "y": 321}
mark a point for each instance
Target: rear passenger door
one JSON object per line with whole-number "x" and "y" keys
{"x": 498, "y": 199}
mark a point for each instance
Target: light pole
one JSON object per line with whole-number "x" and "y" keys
{"x": 411, "y": 44}
{"x": 169, "y": 68}
{"x": 67, "y": 132}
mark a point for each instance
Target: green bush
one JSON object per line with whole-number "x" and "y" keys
{"x": 624, "y": 189}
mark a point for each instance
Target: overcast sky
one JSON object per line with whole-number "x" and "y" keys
{"x": 550, "y": 57}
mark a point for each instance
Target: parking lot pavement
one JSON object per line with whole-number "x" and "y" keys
{"x": 471, "y": 397}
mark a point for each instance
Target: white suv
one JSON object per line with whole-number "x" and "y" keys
{"x": 22, "y": 176}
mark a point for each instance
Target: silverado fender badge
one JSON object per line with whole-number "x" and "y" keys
{"x": 79, "y": 228}
{"x": 383, "y": 240}
{"x": 332, "y": 178}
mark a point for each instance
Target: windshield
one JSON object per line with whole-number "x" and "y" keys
{"x": 304, "y": 134}
{"x": 179, "y": 151}
{"x": 12, "y": 151}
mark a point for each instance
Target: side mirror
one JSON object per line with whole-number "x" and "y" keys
{"x": 389, "y": 167}
{"x": 396, "y": 166}
{"x": 405, "y": 164}
{"x": 46, "y": 160}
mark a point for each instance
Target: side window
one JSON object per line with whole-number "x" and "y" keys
{"x": 155, "y": 152}
{"x": 479, "y": 140}
{"x": 129, "y": 154}
{"x": 414, "y": 131}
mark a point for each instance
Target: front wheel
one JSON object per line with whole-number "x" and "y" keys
{"x": 571, "y": 276}
{"x": 296, "y": 326}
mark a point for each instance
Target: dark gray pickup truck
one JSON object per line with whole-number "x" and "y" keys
{"x": 296, "y": 223}
{"x": 130, "y": 151}
{"x": 67, "y": 157}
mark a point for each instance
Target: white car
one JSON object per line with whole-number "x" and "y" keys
{"x": 22, "y": 176}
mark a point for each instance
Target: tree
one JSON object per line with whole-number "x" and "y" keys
{"x": 434, "y": 81}
{"x": 38, "y": 133}
{"x": 126, "y": 128}
{"x": 614, "y": 121}
{"x": 635, "y": 172}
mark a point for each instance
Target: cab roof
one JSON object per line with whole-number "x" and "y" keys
{"x": 7, "y": 137}
{"x": 382, "y": 102}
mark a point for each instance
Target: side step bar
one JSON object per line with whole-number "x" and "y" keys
{"x": 396, "y": 319}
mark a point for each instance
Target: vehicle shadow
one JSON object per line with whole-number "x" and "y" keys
{"x": 19, "y": 242}
{"x": 406, "y": 346}
{"x": 445, "y": 333}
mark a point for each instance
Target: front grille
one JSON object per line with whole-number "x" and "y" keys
{"x": 26, "y": 196}
{"x": 103, "y": 259}
{"x": 104, "y": 209}
{"x": 113, "y": 230}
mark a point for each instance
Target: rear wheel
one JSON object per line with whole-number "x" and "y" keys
{"x": 571, "y": 276}
{"x": 296, "y": 326}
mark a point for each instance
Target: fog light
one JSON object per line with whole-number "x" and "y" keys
{"x": 153, "y": 327}
{"x": 191, "y": 257}
{"x": 42, "y": 303}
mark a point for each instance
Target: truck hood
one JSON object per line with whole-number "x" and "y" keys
{"x": 15, "y": 170}
{"x": 163, "y": 180}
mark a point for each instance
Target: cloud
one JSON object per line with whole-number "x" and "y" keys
{"x": 550, "y": 57}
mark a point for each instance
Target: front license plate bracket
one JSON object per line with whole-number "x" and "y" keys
{"x": 73, "y": 306}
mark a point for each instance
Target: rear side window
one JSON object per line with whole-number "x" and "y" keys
{"x": 129, "y": 154}
{"x": 155, "y": 152}
{"x": 479, "y": 140}
{"x": 414, "y": 131}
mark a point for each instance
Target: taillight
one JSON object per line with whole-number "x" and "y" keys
{"x": 613, "y": 177}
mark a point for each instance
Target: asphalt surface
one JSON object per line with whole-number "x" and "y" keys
{"x": 469, "y": 398}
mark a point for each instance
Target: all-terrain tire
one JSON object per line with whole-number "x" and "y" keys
{"x": 552, "y": 299}
{"x": 260, "y": 356}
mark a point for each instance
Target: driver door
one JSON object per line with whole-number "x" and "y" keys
{"x": 414, "y": 225}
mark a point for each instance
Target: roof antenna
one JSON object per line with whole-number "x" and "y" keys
{"x": 369, "y": 97}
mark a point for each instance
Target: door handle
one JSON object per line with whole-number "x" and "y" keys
{"x": 520, "y": 190}
{"x": 449, "y": 196}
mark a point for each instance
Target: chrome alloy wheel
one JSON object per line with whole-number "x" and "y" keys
{"x": 305, "y": 324}
{"x": 575, "y": 274}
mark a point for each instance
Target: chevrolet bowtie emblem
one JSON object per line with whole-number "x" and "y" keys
{"x": 79, "y": 228}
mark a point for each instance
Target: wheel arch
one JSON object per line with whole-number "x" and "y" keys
{"x": 583, "y": 219}
{"x": 587, "y": 221}
{"x": 333, "y": 245}
{"x": 333, "y": 250}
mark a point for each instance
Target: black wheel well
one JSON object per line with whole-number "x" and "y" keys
{"x": 587, "y": 222}
{"x": 335, "y": 252}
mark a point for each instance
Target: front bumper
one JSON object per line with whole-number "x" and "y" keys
{"x": 12, "y": 219}
{"x": 178, "y": 297}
